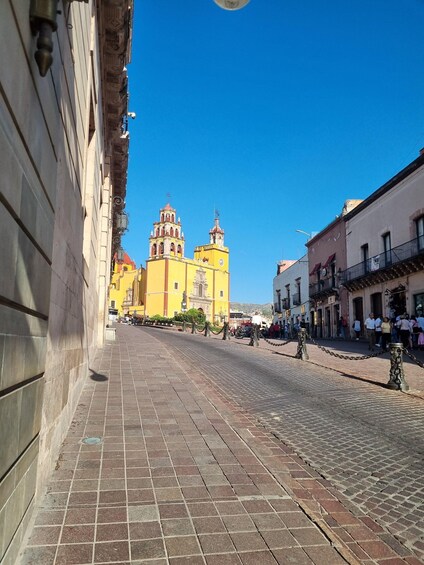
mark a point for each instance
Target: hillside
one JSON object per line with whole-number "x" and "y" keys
{"x": 264, "y": 309}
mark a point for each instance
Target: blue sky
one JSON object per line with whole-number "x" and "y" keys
{"x": 274, "y": 114}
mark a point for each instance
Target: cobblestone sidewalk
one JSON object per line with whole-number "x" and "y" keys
{"x": 375, "y": 369}
{"x": 181, "y": 475}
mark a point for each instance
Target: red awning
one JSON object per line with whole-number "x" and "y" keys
{"x": 315, "y": 269}
{"x": 329, "y": 260}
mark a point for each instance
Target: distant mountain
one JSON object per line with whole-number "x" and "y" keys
{"x": 264, "y": 309}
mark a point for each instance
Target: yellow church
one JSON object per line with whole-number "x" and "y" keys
{"x": 176, "y": 284}
{"x": 127, "y": 288}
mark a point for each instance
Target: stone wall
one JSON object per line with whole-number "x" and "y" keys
{"x": 56, "y": 190}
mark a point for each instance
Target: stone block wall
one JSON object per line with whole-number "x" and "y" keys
{"x": 55, "y": 246}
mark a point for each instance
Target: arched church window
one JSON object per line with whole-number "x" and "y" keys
{"x": 157, "y": 232}
{"x": 162, "y": 217}
{"x": 179, "y": 251}
{"x": 177, "y": 233}
{"x": 163, "y": 231}
{"x": 173, "y": 248}
{"x": 172, "y": 218}
{"x": 171, "y": 232}
{"x": 200, "y": 290}
{"x": 161, "y": 248}
{"x": 167, "y": 217}
{"x": 154, "y": 249}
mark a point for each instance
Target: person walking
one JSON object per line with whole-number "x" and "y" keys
{"x": 357, "y": 328}
{"x": 404, "y": 330}
{"x": 378, "y": 321}
{"x": 370, "y": 327}
{"x": 343, "y": 326}
{"x": 386, "y": 333}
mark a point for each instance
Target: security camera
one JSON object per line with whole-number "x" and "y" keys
{"x": 132, "y": 115}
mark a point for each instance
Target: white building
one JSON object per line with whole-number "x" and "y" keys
{"x": 291, "y": 291}
{"x": 385, "y": 247}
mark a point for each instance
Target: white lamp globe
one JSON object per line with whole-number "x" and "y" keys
{"x": 232, "y": 4}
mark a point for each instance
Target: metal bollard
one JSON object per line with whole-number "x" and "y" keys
{"x": 184, "y": 325}
{"x": 397, "y": 376}
{"x": 207, "y": 329}
{"x": 302, "y": 352}
{"x": 226, "y": 331}
{"x": 254, "y": 336}
{"x": 193, "y": 327}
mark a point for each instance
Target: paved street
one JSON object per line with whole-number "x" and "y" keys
{"x": 188, "y": 468}
{"x": 368, "y": 441}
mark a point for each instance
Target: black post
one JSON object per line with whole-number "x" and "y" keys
{"x": 226, "y": 331}
{"x": 207, "y": 329}
{"x": 254, "y": 336}
{"x": 193, "y": 327}
{"x": 184, "y": 325}
{"x": 397, "y": 375}
{"x": 302, "y": 352}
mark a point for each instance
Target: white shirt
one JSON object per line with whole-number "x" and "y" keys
{"x": 370, "y": 324}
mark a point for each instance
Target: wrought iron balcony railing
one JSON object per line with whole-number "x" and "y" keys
{"x": 385, "y": 260}
{"x": 324, "y": 286}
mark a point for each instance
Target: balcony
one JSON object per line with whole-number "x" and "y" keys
{"x": 323, "y": 288}
{"x": 277, "y": 307}
{"x": 397, "y": 262}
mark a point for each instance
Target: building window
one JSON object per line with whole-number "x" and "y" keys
{"x": 420, "y": 232}
{"x": 288, "y": 296}
{"x": 278, "y": 305}
{"x": 175, "y": 286}
{"x": 200, "y": 290}
{"x": 387, "y": 247}
{"x": 365, "y": 257}
{"x": 221, "y": 294}
{"x": 112, "y": 303}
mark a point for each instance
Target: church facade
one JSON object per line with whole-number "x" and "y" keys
{"x": 175, "y": 283}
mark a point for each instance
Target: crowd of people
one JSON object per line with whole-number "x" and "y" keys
{"x": 380, "y": 331}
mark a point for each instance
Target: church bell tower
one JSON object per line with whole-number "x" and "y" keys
{"x": 167, "y": 238}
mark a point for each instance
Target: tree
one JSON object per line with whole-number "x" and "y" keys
{"x": 192, "y": 315}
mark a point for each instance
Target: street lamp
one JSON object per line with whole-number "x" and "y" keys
{"x": 305, "y": 233}
{"x": 231, "y": 4}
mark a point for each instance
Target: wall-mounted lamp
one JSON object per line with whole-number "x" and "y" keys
{"x": 120, "y": 255}
{"x": 121, "y": 222}
{"x": 42, "y": 19}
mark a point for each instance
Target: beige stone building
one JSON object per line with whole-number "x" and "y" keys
{"x": 63, "y": 162}
{"x": 385, "y": 248}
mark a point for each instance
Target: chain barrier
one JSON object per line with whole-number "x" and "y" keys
{"x": 201, "y": 330}
{"x": 348, "y": 357}
{"x": 276, "y": 344}
{"x": 218, "y": 332}
{"x": 413, "y": 358}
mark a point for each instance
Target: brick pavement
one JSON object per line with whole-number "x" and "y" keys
{"x": 182, "y": 475}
